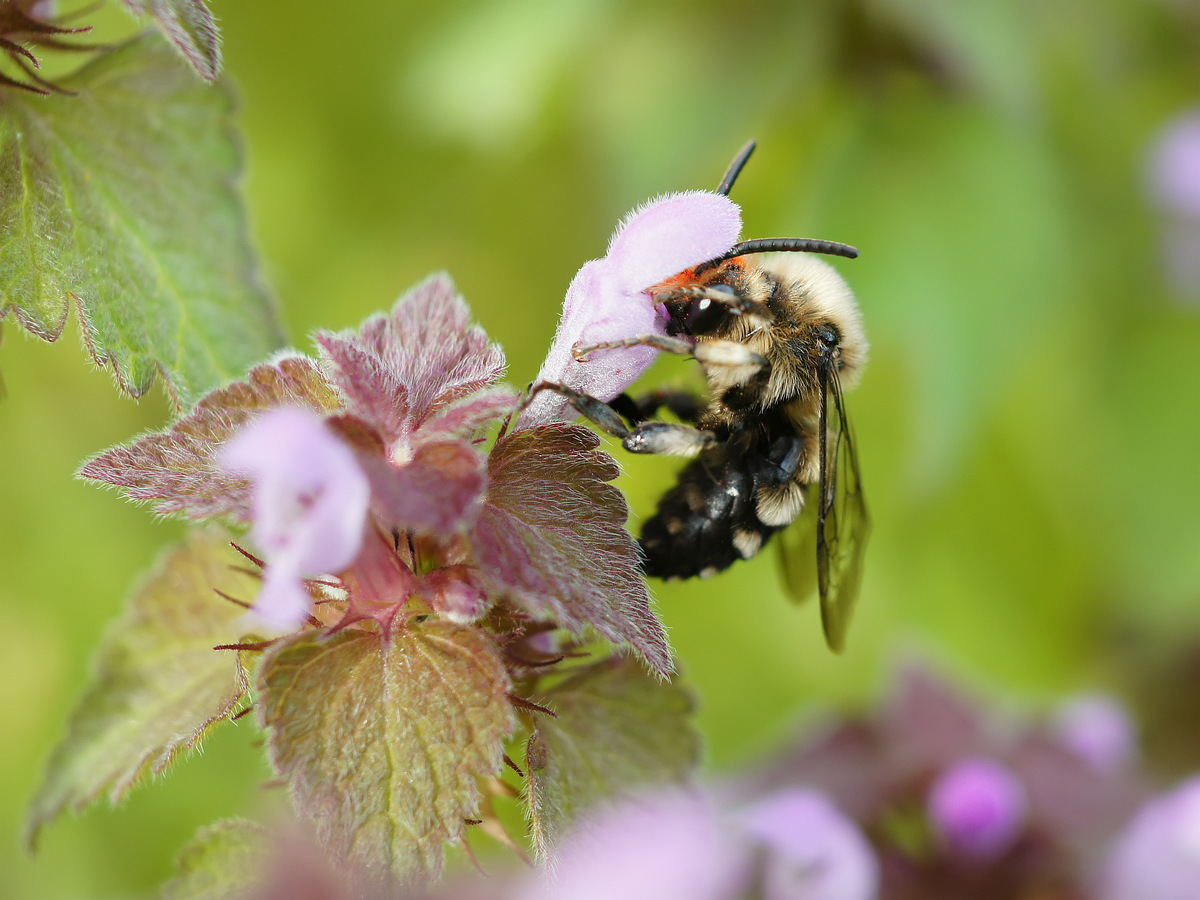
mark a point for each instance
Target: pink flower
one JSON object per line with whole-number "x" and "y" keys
{"x": 814, "y": 852}
{"x": 310, "y": 501}
{"x": 608, "y": 299}
{"x": 1158, "y": 856}
{"x": 665, "y": 847}
{"x": 978, "y": 807}
{"x": 1174, "y": 187}
{"x": 1097, "y": 729}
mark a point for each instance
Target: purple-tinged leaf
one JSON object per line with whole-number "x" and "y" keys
{"x": 382, "y": 740}
{"x": 619, "y": 732}
{"x": 426, "y": 345}
{"x": 159, "y": 684}
{"x": 374, "y": 393}
{"x": 551, "y": 536}
{"x": 438, "y": 491}
{"x": 188, "y": 25}
{"x": 176, "y": 469}
{"x": 928, "y": 723}
{"x": 465, "y": 418}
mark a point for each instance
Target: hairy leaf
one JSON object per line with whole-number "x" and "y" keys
{"x": 124, "y": 198}
{"x": 175, "y": 468}
{"x": 226, "y": 859}
{"x": 382, "y": 739}
{"x": 552, "y": 537}
{"x": 398, "y": 369}
{"x": 159, "y": 684}
{"x": 619, "y": 731}
{"x": 189, "y": 25}
{"x": 438, "y": 490}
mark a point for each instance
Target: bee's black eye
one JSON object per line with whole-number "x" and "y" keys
{"x": 705, "y": 314}
{"x": 828, "y": 336}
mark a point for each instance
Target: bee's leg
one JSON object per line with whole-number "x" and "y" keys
{"x": 736, "y": 363}
{"x": 580, "y": 352}
{"x": 595, "y": 411}
{"x": 730, "y": 363}
{"x": 685, "y": 405}
{"x": 647, "y": 437}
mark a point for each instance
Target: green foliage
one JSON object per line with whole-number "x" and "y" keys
{"x": 159, "y": 684}
{"x": 618, "y": 730}
{"x": 382, "y": 739}
{"x": 225, "y": 860}
{"x": 122, "y": 200}
{"x": 1027, "y": 421}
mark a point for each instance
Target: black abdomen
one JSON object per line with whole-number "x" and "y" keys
{"x": 710, "y": 518}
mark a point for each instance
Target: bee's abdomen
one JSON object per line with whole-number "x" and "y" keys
{"x": 711, "y": 518}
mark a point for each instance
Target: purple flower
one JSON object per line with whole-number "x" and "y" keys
{"x": 813, "y": 851}
{"x": 1175, "y": 166}
{"x": 608, "y": 299}
{"x": 309, "y": 504}
{"x": 978, "y": 807}
{"x": 1158, "y": 855}
{"x": 667, "y": 847}
{"x": 1097, "y": 729}
{"x": 1174, "y": 187}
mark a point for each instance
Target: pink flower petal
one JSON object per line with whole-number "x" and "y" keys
{"x": 1099, "y": 730}
{"x": 978, "y": 807}
{"x": 669, "y": 234}
{"x": 667, "y": 847}
{"x": 1158, "y": 856}
{"x": 607, "y": 300}
{"x": 309, "y": 504}
{"x": 814, "y": 852}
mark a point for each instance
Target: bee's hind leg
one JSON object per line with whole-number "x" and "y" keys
{"x": 646, "y": 437}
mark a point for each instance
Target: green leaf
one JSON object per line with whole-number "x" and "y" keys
{"x": 159, "y": 684}
{"x": 188, "y": 25}
{"x": 226, "y": 859}
{"x": 619, "y": 731}
{"x": 382, "y": 739}
{"x": 124, "y": 198}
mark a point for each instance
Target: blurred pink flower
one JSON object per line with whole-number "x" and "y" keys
{"x": 978, "y": 807}
{"x": 664, "y": 847}
{"x": 1174, "y": 185}
{"x": 1099, "y": 730}
{"x": 608, "y": 298}
{"x": 814, "y": 852}
{"x": 1158, "y": 855}
{"x": 310, "y": 501}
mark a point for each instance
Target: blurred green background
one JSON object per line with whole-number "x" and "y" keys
{"x": 1027, "y": 424}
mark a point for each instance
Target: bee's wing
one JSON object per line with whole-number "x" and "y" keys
{"x": 797, "y": 550}
{"x": 842, "y": 520}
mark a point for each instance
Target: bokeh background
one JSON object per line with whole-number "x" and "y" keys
{"x": 1028, "y": 422}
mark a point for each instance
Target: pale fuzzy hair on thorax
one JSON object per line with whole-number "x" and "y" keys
{"x": 825, "y": 294}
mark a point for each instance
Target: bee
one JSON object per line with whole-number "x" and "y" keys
{"x": 778, "y": 336}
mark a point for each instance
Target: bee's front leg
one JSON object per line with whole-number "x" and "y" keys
{"x": 648, "y": 437}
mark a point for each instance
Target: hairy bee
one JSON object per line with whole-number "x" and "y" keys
{"x": 778, "y": 335}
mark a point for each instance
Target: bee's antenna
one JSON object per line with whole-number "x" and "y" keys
{"x": 735, "y": 168}
{"x": 774, "y": 245}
